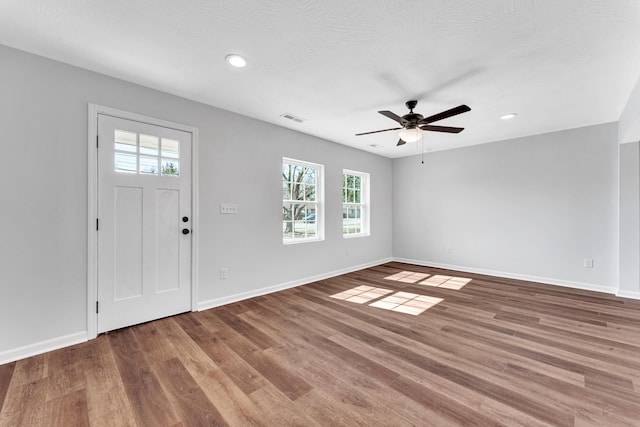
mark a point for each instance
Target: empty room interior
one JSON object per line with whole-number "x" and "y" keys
{"x": 392, "y": 213}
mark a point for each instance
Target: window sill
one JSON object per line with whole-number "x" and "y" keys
{"x": 353, "y": 236}
{"x": 295, "y": 242}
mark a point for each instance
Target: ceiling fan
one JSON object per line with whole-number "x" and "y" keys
{"x": 413, "y": 123}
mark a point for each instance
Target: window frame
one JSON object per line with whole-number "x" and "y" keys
{"x": 364, "y": 204}
{"x": 318, "y": 204}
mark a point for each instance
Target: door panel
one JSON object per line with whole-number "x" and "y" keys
{"x": 127, "y": 250}
{"x": 144, "y": 191}
{"x": 167, "y": 243}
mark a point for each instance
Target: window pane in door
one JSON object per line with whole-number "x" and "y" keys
{"x": 170, "y": 167}
{"x": 148, "y": 165}
{"x": 125, "y": 162}
{"x": 170, "y": 148}
{"x": 125, "y": 141}
{"x": 149, "y": 145}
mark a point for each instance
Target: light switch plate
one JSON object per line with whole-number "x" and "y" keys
{"x": 228, "y": 208}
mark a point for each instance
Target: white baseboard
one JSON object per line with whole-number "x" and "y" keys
{"x": 42, "y": 347}
{"x": 546, "y": 280}
{"x": 217, "y": 302}
{"x": 628, "y": 294}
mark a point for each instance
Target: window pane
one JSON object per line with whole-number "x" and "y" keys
{"x": 350, "y": 196}
{"x": 356, "y": 196}
{"x": 170, "y": 167}
{"x": 125, "y": 162}
{"x": 287, "y": 212}
{"x": 298, "y": 211}
{"x": 309, "y": 176}
{"x": 170, "y": 148}
{"x": 310, "y": 192}
{"x": 286, "y": 191}
{"x": 311, "y": 229}
{"x": 149, "y": 145}
{"x": 356, "y": 182}
{"x": 148, "y": 165}
{"x": 125, "y": 141}
{"x": 287, "y": 230}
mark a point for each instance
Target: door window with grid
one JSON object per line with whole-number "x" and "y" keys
{"x": 355, "y": 204}
{"x": 302, "y": 219}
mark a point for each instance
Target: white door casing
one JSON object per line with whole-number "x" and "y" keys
{"x": 143, "y": 206}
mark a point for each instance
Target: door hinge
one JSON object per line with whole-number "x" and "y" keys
{"x": 97, "y": 224}
{"x": 96, "y": 307}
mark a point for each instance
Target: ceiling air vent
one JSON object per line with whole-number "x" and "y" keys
{"x": 292, "y": 117}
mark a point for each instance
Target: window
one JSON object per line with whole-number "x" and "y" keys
{"x": 355, "y": 204}
{"x": 302, "y": 213}
{"x": 146, "y": 154}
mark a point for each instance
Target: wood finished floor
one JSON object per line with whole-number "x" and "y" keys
{"x": 492, "y": 352}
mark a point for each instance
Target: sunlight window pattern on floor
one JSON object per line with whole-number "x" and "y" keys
{"x": 447, "y": 282}
{"x": 407, "y": 277}
{"x": 362, "y": 294}
{"x": 406, "y": 302}
{"x": 437, "y": 280}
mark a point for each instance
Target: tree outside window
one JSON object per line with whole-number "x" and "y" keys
{"x": 355, "y": 203}
{"x": 301, "y": 193}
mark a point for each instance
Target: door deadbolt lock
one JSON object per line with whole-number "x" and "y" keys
{"x": 185, "y": 219}
{"x": 186, "y": 231}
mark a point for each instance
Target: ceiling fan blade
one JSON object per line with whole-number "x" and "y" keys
{"x": 447, "y": 129}
{"x": 445, "y": 114}
{"x": 394, "y": 116}
{"x": 401, "y": 142}
{"x": 377, "y": 131}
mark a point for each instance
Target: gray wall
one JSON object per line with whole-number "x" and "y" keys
{"x": 533, "y": 207}
{"x": 43, "y": 124}
{"x": 630, "y": 220}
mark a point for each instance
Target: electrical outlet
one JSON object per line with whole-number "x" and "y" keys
{"x": 588, "y": 263}
{"x": 224, "y": 273}
{"x": 449, "y": 250}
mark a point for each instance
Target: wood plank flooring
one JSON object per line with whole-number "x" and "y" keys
{"x": 491, "y": 351}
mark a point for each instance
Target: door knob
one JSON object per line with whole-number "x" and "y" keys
{"x": 185, "y": 231}
{"x": 185, "y": 219}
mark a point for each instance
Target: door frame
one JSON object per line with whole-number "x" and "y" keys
{"x": 92, "y": 209}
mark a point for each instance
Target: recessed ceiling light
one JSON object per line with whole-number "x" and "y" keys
{"x": 508, "y": 116}
{"x": 236, "y": 60}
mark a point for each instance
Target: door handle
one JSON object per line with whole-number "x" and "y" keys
{"x": 185, "y": 219}
{"x": 186, "y": 231}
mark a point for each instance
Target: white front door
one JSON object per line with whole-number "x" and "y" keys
{"x": 144, "y": 222}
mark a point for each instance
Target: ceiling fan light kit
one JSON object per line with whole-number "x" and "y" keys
{"x": 413, "y": 124}
{"x": 412, "y": 134}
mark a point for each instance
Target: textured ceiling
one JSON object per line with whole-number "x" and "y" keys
{"x": 558, "y": 64}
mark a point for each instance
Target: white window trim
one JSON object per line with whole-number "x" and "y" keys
{"x": 364, "y": 203}
{"x": 319, "y": 203}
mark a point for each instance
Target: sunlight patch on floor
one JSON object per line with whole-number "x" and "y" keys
{"x": 362, "y": 294}
{"x": 402, "y": 302}
{"x": 407, "y": 277}
{"x": 440, "y": 281}
{"x": 447, "y": 282}
{"x": 406, "y": 302}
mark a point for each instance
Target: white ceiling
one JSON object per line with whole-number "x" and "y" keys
{"x": 558, "y": 64}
